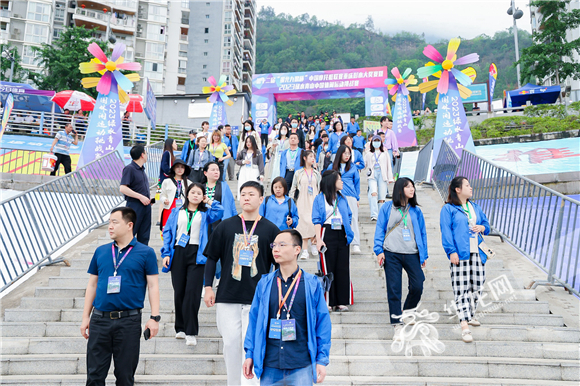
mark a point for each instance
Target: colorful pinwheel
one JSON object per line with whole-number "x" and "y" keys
{"x": 463, "y": 91}
{"x": 219, "y": 91}
{"x": 109, "y": 69}
{"x": 401, "y": 82}
{"x": 446, "y": 66}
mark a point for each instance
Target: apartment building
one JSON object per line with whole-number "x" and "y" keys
{"x": 180, "y": 43}
{"x": 569, "y": 85}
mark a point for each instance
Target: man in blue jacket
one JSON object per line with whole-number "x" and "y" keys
{"x": 352, "y": 127}
{"x": 288, "y": 336}
{"x": 290, "y": 159}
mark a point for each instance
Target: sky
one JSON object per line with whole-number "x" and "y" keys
{"x": 436, "y": 18}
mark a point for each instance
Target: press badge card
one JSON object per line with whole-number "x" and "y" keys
{"x": 246, "y": 257}
{"x": 335, "y": 223}
{"x": 275, "y": 329}
{"x": 114, "y": 285}
{"x": 178, "y": 203}
{"x": 183, "y": 240}
{"x": 406, "y": 234}
{"x": 288, "y": 330}
{"x": 310, "y": 190}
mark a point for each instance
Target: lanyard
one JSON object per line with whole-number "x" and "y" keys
{"x": 200, "y": 158}
{"x": 309, "y": 176}
{"x": 376, "y": 158}
{"x": 283, "y": 301}
{"x": 214, "y": 147}
{"x": 466, "y": 210}
{"x": 334, "y": 209}
{"x": 210, "y": 192}
{"x": 293, "y": 154}
{"x": 248, "y": 237}
{"x": 192, "y": 145}
{"x": 190, "y": 221}
{"x": 178, "y": 188}
{"x": 115, "y": 258}
{"x": 404, "y": 216}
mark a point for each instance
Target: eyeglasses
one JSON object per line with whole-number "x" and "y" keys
{"x": 282, "y": 245}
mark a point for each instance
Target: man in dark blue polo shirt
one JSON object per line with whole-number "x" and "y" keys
{"x": 135, "y": 187}
{"x": 120, "y": 272}
{"x": 294, "y": 348}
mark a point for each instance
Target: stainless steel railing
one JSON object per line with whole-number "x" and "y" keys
{"x": 541, "y": 223}
{"x": 40, "y": 221}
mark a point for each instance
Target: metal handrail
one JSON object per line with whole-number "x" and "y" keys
{"x": 40, "y": 221}
{"x": 541, "y": 223}
{"x": 445, "y": 169}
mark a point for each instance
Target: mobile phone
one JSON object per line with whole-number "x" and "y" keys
{"x": 382, "y": 263}
{"x": 152, "y": 201}
{"x": 147, "y": 334}
{"x": 323, "y": 249}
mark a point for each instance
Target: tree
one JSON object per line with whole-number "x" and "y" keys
{"x": 20, "y": 74}
{"x": 61, "y": 59}
{"x": 551, "y": 55}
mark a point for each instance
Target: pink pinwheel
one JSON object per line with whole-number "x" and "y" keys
{"x": 219, "y": 91}
{"x": 446, "y": 66}
{"x": 112, "y": 77}
{"x": 401, "y": 82}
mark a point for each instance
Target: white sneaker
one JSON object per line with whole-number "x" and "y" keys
{"x": 313, "y": 250}
{"x": 180, "y": 335}
{"x": 356, "y": 249}
{"x": 398, "y": 328}
{"x": 373, "y": 219}
{"x": 190, "y": 340}
{"x": 304, "y": 255}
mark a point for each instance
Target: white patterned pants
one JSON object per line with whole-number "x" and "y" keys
{"x": 467, "y": 280}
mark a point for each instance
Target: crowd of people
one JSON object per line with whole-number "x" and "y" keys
{"x": 313, "y": 167}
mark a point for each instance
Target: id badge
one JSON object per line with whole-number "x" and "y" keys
{"x": 183, "y": 240}
{"x": 275, "y": 329}
{"x": 114, "y": 285}
{"x": 249, "y": 165}
{"x": 310, "y": 190}
{"x": 377, "y": 166}
{"x": 335, "y": 224}
{"x": 245, "y": 258}
{"x": 406, "y": 234}
{"x": 288, "y": 330}
{"x": 178, "y": 202}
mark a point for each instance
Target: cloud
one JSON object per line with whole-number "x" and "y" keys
{"x": 436, "y": 19}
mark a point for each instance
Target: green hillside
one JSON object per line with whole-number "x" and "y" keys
{"x": 304, "y": 43}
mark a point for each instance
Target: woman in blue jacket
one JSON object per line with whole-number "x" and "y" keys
{"x": 218, "y": 190}
{"x": 331, "y": 216}
{"x": 349, "y": 174}
{"x": 279, "y": 208}
{"x": 462, "y": 223}
{"x": 357, "y": 157}
{"x": 184, "y": 239}
{"x": 401, "y": 243}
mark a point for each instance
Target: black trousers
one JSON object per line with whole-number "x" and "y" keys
{"x": 64, "y": 160}
{"x": 119, "y": 338}
{"x": 394, "y": 265}
{"x": 142, "y": 228}
{"x": 336, "y": 259}
{"x": 289, "y": 176}
{"x": 196, "y": 175}
{"x": 264, "y": 139}
{"x": 221, "y": 167}
{"x": 187, "y": 281}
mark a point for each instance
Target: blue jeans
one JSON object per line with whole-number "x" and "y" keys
{"x": 381, "y": 188}
{"x": 277, "y": 377}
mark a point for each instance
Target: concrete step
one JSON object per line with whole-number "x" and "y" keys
{"x": 220, "y": 380}
{"x": 385, "y": 366}
{"x": 486, "y": 332}
{"x": 351, "y": 317}
{"x": 348, "y": 347}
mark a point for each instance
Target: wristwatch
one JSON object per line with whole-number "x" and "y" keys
{"x": 156, "y": 318}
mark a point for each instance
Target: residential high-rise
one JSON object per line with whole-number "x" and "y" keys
{"x": 156, "y": 32}
{"x": 222, "y": 41}
{"x": 572, "y": 85}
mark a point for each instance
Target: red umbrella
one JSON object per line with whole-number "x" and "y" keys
{"x": 74, "y": 100}
{"x": 135, "y": 104}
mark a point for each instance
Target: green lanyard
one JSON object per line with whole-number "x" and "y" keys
{"x": 404, "y": 216}
{"x": 334, "y": 209}
{"x": 467, "y": 211}
{"x": 190, "y": 220}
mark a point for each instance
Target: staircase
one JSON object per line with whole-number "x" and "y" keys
{"x": 519, "y": 343}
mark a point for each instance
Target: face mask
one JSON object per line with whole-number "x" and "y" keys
{"x": 376, "y": 144}
{"x": 248, "y": 128}
{"x": 283, "y": 132}
{"x": 294, "y": 125}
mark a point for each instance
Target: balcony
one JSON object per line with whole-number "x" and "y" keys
{"x": 183, "y": 38}
{"x": 4, "y": 37}
{"x": 95, "y": 19}
{"x": 5, "y": 13}
{"x": 185, "y": 21}
{"x": 182, "y": 70}
{"x": 182, "y": 54}
{"x": 249, "y": 7}
{"x": 125, "y": 6}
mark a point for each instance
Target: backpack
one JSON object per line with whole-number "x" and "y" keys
{"x": 289, "y": 206}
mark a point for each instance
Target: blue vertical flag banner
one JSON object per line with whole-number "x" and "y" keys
{"x": 151, "y": 105}
{"x": 104, "y": 132}
{"x": 8, "y": 106}
{"x": 376, "y": 101}
{"x": 218, "y": 115}
{"x": 424, "y": 96}
{"x": 451, "y": 124}
{"x": 403, "y": 124}
{"x": 492, "y": 80}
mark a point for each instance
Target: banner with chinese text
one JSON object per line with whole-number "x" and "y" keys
{"x": 403, "y": 124}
